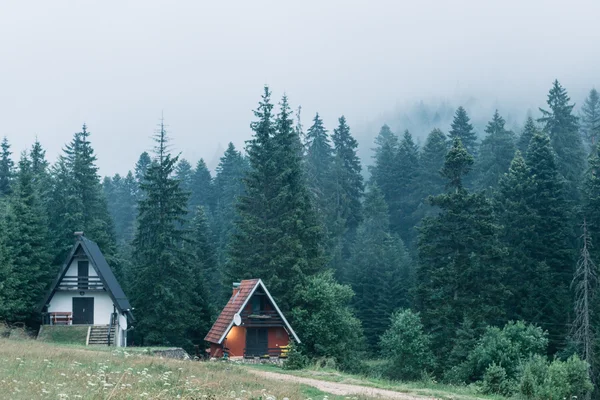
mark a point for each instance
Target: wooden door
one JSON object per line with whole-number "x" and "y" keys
{"x": 83, "y": 310}
{"x": 257, "y": 342}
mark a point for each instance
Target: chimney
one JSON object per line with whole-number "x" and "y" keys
{"x": 78, "y": 234}
{"x": 236, "y": 287}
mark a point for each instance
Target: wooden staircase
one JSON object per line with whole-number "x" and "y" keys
{"x": 98, "y": 335}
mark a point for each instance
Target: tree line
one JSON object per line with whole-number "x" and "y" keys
{"x": 452, "y": 238}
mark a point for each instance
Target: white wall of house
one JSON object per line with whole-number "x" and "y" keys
{"x": 103, "y": 304}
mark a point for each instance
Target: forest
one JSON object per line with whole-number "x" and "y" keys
{"x": 471, "y": 258}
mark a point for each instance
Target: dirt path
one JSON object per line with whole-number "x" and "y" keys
{"x": 340, "y": 389}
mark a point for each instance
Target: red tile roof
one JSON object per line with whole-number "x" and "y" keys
{"x": 233, "y": 306}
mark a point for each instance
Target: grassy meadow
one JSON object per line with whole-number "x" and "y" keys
{"x": 36, "y": 370}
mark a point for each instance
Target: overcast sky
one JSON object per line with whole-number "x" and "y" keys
{"x": 117, "y": 65}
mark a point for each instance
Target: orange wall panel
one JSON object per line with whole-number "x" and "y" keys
{"x": 278, "y": 337}
{"x": 235, "y": 341}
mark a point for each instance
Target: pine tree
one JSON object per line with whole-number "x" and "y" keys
{"x": 165, "y": 277}
{"x": 277, "y": 236}
{"x": 552, "y": 233}
{"x": 349, "y": 186}
{"x": 463, "y": 130}
{"x": 202, "y": 188}
{"x": 184, "y": 172}
{"x": 528, "y": 277}
{"x": 431, "y": 161}
{"x": 590, "y": 118}
{"x": 380, "y": 269}
{"x": 402, "y": 218}
{"x": 6, "y": 168}
{"x": 121, "y": 197}
{"x": 384, "y": 171}
{"x": 460, "y": 270}
{"x": 206, "y": 254}
{"x": 528, "y": 131}
{"x": 496, "y": 153}
{"x": 77, "y": 202}
{"x": 141, "y": 167}
{"x": 561, "y": 126}
{"x": 229, "y": 186}
{"x": 319, "y": 161}
{"x": 27, "y": 250}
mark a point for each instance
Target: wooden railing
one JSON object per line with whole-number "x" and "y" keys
{"x": 261, "y": 318}
{"x": 57, "y": 318}
{"x": 275, "y": 352}
{"x": 80, "y": 283}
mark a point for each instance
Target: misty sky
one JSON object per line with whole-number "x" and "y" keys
{"x": 117, "y": 65}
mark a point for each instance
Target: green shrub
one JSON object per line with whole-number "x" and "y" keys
{"x": 295, "y": 359}
{"x": 556, "y": 380}
{"x": 327, "y": 324}
{"x": 510, "y": 347}
{"x": 405, "y": 347}
{"x": 495, "y": 381}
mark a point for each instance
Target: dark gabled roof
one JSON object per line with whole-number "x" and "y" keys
{"x": 235, "y": 305}
{"x": 97, "y": 260}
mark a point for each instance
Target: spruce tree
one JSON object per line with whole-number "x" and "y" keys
{"x": 552, "y": 235}
{"x": 202, "y": 188}
{"x": 590, "y": 118}
{"x": 431, "y": 161}
{"x": 184, "y": 172}
{"x": 206, "y": 253}
{"x": 349, "y": 186}
{"x": 319, "y": 161}
{"x": 384, "y": 171}
{"x": 277, "y": 236}
{"x": 562, "y": 127}
{"x": 380, "y": 270}
{"x": 402, "y": 218}
{"x": 6, "y": 168}
{"x": 496, "y": 153}
{"x": 463, "y": 130}
{"x": 77, "y": 202}
{"x": 528, "y": 282}
{"x": 229, "y": 186}
{"x": 528, "y": 131}
{"x": 460, "y": 273}
{"x": 28, "y": 250}
{"x": 165, "y": 276}
{"x": 141, "y": 167}
{"x": 121, "y": 197}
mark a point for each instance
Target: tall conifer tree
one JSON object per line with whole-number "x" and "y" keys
{"x": 402, "y": 218}
{"x": 77, "y": 202}
{"x": 460, "y": 271}
{"x": 563, "y": 130}
{"x": 277, "y": 236}
{"x": 380, "y": 269}
{"x": 166, "y": 281}
{"x": 319, "y": 161}
{"x": 463, "y": 130}
{"x": 528, "y": 131}
{"x": 552, "y": 237}
{"x": 6, "y": 168}
{"x": 28, "y": 250}
{"x": 496, "y": 153}
{"x": 590, "y": 118}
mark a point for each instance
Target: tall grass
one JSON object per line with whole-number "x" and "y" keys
{"x": 35, "y": 370}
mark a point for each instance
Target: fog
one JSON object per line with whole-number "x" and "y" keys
{"x": 119, "y": 65}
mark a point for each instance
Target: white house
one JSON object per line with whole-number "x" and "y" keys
{"x": 86, "y": 292}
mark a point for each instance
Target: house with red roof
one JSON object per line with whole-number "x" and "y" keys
{"x": 251, "y": 325}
